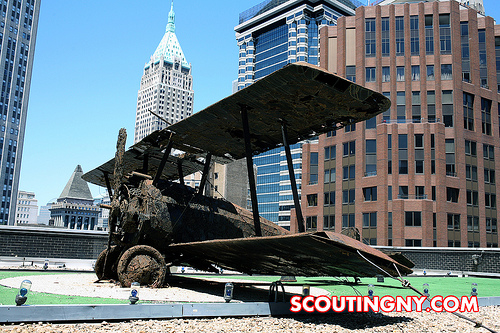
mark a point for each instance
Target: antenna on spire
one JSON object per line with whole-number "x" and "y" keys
{"x": 171, "y": 18}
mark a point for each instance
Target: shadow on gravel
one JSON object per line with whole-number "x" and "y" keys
{"x": 245, "y": 292}
{"x": 353, "y": 321}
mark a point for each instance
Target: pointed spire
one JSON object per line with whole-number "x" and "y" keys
{"x": 76, "y": 188}
{"x": 171, "y": 19}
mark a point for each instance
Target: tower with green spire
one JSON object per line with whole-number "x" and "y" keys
{"x": 166, "y": 85}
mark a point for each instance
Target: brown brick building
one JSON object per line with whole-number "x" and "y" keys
{"x": 422, "y": 173}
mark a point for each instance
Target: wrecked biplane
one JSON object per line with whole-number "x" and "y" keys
{"x": 157, "y": 222}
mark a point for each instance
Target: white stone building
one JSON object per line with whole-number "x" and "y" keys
{"x": 166, "y": 86}
{"x": 27, "y": 208}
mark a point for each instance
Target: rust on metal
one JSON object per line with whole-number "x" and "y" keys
{"x": 305, "y": 254}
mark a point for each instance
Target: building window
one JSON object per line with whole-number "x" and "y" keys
{"x": 413, "y": 219}
{"x": 313, "y": 168}
{"x": 386, "y": 74}
{"x": 349, "y": 148}
{"x": 488, "y": 152}
{"x": 386, "y": 116}
{"x": 470, "y": 148}
{"x": 491, "y": 225}
{"x": 429, "y": 35}
{"x": 370, "y": 193}
{"x": 414, "y": 39}
{"x": 311, "y": 222}
{"x": 401, "y": 106}
{"x": 472, "y": 223}
{"x": 419, "y": 153}
{"x": 447, "y": 108}
{"x": 472, "y": 198}
{"x": 349, "y": 172}
{"x": 415, "y": 73}
{"x": 329, "y": 222}
{"x": 370, "y": 74}
{"x": 350, "y": 128}
{"x": 483, "y": 65}
{"x": 490, "y": 200}
{"x": 452, "y": 194}
{"x": 400, "y": 73}
{"x": 430, "y": 73}
{"x": 389, "y": 154}
{"x": 420, "y": 193}
{"x": 471, "y": 172}
{"x": 330, "y": 152}
{"x": 350, "y": 73}
{"x": 415, "y": 107}
{"x": 413, "y": 242}
{"x": 445, "y": 33}
{"x": 489, "y": 176}
{"x": 348, "y": 196}
{"x": 446, "y": 72}
{"x": 348, "y": 221}
{"x": 312, "y": 200}
{"x": 370, "y": 40}
{"x": 371, "y": 123}
{"x": 330, "y": 175}
{"x": 468, "y": 111}
{"x": 464, "y": 38}
{"x": 403, "y": 192}
{"x": 370, "y": 220}
{"x": 486, "y": 116}
{"x": 450, "y": 157}
{"x": 403, "y": 154}
{"x": 431, "y": 106}
{"x": 329, "y": 198}
{"x": 371, "y": 158}
{"x": 453, "y": 221}
{"x": 389, "y": 193}
{"x": 400, "y": 36}
{"x": 385, "y": 37}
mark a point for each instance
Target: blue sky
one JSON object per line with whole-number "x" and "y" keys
{"x": 89, "y": 58}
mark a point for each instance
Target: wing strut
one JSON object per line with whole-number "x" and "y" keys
{"x": 204, "y": 177}
{"x": 293, "y": 183}
{"x": 180, "y": 172}
{"x": 251, "y": 176}
{"x": 108, "y": 185}
{"x": 164, "y": 159}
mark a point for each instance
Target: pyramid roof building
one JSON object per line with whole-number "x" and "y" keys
{"x": 76, "y": 188}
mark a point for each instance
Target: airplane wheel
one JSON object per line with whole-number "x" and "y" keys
{"x": 108, "y": 272}
{"x": 143, "y": 264}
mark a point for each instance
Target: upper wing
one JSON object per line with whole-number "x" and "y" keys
{"x": 309, "y": 99}
{"x": 305, "y": 254}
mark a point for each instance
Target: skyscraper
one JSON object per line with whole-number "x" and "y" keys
{"x": 422, "y": 173}
{"x": 269, "y": 36}
{"x": 166, "y": 85}
{"x": 18, "y": 29}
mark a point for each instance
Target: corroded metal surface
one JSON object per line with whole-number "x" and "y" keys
{"x": 308, "y": 98}
{"x": 307, "y": 254}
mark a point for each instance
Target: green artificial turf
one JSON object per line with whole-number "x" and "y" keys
{"x": 442, "y": 286}
{"x": 8, "y": 295}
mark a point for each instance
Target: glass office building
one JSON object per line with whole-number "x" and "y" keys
{"x": 18, "y": 29}
{"x": 269, "y": 36}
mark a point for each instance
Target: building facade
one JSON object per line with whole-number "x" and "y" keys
{"x": 103, "y": 218}
{"x": 269, "y": 36}
{"x": 166, "y": 86}
{"x": 75, "y": 208}
{"x": 27, "y": 208}
{"x": 18, "y": 30}
{"x": 422, "y": 173}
